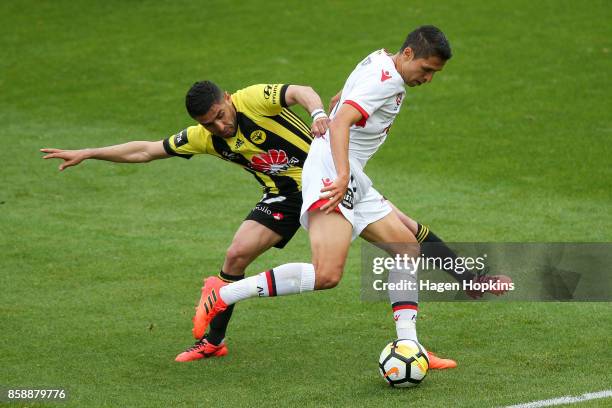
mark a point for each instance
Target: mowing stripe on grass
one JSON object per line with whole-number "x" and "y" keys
{"x": 564, "y": 400}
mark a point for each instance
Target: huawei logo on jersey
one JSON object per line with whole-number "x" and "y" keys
{"x": 278, "y": 216}
{"x": 272, "y": 162}
{"x": 384, "y": 76}
{"x": 326, "y": 182}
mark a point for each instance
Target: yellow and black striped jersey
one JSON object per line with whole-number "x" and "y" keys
{"x": 271, "y": 142}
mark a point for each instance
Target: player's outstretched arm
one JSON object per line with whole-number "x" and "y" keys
{"x": 311, "y": 101}
{"x": 131, "y": 152}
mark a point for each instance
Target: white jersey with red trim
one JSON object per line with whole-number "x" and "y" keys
{"x": 376, "y": 90}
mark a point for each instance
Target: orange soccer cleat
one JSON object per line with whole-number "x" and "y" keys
{"x": 209, "y": 306}
{"x": 437, "y": 363}
{"x": 202, "y": 349}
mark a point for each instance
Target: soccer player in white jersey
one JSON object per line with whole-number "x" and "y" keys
{"x": 339, "y": 201}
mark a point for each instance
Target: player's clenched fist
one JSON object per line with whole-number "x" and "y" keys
{"x": 320, "y": 126}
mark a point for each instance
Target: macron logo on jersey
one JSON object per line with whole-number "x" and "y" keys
{"x": 385, "y": 75}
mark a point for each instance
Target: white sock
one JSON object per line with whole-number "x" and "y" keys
{"x": 405, "y": 302}
{"x": 287, "y": 279}
{"x": 405, "y": 324}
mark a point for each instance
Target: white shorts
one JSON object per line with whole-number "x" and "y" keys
{"x": 362, "y": 205}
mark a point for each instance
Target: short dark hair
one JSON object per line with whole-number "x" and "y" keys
{"x": 201, "y": 96}
{"x": 428, "y": 41}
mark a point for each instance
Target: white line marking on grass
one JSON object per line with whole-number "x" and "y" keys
{"x": 564, "y": 400}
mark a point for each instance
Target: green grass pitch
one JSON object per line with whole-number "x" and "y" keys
{"x": 101, "y": 265}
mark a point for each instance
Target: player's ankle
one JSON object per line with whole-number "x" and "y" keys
{"x": 214, "y": 338}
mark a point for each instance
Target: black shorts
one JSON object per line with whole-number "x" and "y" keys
{"x": 279, "y": 213}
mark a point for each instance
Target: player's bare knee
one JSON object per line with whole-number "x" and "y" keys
{"x": 327, "y": 277}
{"x": 326, "y": 282}
{"x": 237, "y": 255}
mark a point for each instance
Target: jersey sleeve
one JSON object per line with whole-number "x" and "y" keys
{"x": 262, "y": 99}
{"x": 187, "y": 142}
{"x": 369, "y": 95}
